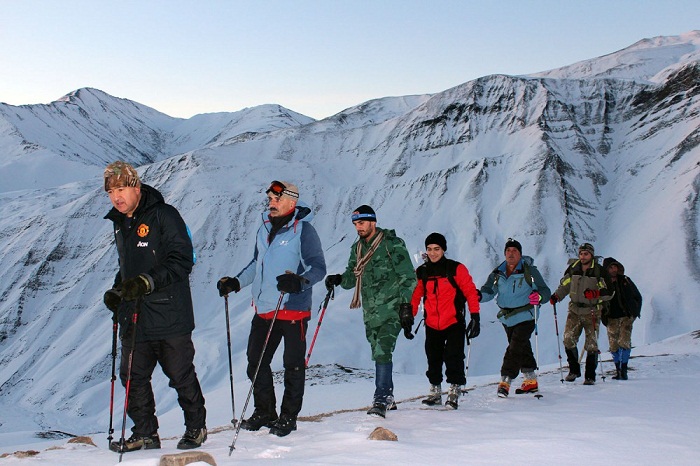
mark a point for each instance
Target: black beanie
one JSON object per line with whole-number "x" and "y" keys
{"x": 511, "y": 243}
{"x": 364, "y": 212}
{"x": 436, "y": 238}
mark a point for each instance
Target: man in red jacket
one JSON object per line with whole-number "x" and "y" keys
{"x": 445, "y": 286}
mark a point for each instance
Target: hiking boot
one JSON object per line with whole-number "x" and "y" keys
{"x": 588, "y": 381}
{"x": 453, "y": 396}
{"x": 617, "y": 372}
{"x": 258, "y": 420}
{"x": 623, "y": 371}
{"x": 529, "y": 384}
{"x": 435, "y": 396}
{"x": 284, "y": 425}
{"x": 574, "y": 366}
{"x": 503, "y": 387}
{"x": 377, "y": 409}
{"x": 136, "y": 442}
{"x": 193, "y": 438}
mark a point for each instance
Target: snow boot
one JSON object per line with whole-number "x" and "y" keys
{"x": 284, "y": 425}
{"x": 377, "y": 409}
{"x": 623, "y": 371}
{"x": 503, "y": 387}
{"x": 435, "y": 396}
{"x": 529, "y": 384}
{"x": 574, "y": 366}
{"x": 617, "y": 371}
{"x": 258, "y": 420}
{"x": 453, "y": 396}
{"x": 193, "y": 438}
{"x": 591, "y": 365}
{"x": 136, "y": 442}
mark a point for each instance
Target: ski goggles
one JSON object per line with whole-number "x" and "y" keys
{"x": 278, "y": 188}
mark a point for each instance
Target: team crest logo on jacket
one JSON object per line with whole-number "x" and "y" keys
{"x": 142, "y": 230}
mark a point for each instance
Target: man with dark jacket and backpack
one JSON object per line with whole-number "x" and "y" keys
{"x": 624, "y": 307}
{"x": 445, "y": 286}
{"x": 520, "y": 289}
{"x": 151, "y": 294}
{"x": 586, "y": 283}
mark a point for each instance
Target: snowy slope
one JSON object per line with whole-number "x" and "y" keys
{"x": 644, "y": 420}
{"x": 551, "y": 161}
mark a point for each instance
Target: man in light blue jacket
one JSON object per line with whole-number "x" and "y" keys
{"x": 288, "y": 259}
{"x": 520, "y": 287}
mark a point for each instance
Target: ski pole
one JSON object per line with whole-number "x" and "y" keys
{"x": 115, "y": 327}
{"x": 255, "y": 375}
{"x": 230, "y": 363}
{"x": 466, "y": 369}
{"x": 537, "y": 345}
{"x": 330, "y": 295}
{"x": 134, "y": 320}
{"x": 595, "y": 330}
{"x": 556, "y": 328}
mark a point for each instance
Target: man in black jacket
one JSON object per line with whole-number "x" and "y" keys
{"x": 151, "y": 296}
{"x": 625, "y": 306}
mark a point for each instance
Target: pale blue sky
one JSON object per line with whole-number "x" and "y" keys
{"x": 315, "y": 57}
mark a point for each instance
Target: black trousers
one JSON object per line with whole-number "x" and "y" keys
{"x": 175, "y": 356}
{"x": 294, "y": 334}
{"x": 445, "y": 346}
{"x": 519, "y": 355}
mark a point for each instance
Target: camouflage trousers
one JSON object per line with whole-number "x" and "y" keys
{"x": 382, "y": 340}
{"x": 620, "y": 333}
{"x": 577, "y": 323}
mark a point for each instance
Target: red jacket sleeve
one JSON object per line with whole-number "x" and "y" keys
{"x": 416, "y": 297}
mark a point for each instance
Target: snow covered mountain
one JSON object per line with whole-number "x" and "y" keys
{"x": 604, "y": 151}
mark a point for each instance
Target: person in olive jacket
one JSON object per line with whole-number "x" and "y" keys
{"x": 151, "y": 296}
{"x": 586, "y": 283}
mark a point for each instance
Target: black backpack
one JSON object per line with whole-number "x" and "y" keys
{"x": 451, "y": 270}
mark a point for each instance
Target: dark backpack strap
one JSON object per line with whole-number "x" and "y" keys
{"x": 460, "y": 299}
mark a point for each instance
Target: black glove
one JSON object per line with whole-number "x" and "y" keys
{"x": 136, "y": 287}
{"x": 553, "y": 300}
{"x": 478, "y": 293}
{"x": 225, "y": 285}
{"x": 289, "y": 283}
{"x": 474, "y": 327}
{"x": 112, "y": 299}
{"x": 333, "y": 280}
{"x": 406, "y": 316}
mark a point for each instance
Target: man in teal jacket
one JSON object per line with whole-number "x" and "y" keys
{"x": 288, "y": 258}
{"x": 381, "y": 272}
{"x": 520, "y": 287}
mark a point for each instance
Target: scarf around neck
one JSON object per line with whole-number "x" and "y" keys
{"x": 359, "y": 269}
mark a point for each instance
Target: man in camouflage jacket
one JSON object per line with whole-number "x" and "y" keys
{"x": 381, "y": 272}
